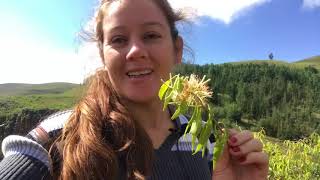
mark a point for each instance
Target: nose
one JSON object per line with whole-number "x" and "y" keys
{"x": 137, "y": 50}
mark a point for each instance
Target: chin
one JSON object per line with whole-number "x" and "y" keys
{"x": 143, "y": 98}
{"x": 142, "y": 94}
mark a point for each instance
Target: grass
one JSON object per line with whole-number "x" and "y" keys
{"x": 13, "y": 104}
{"x": 14, "y": 89}
{"x": 276, "y": 62}
{"x": 313, "y": 62}
{"x": 14, "y": 97}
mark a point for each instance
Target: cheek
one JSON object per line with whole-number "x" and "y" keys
{"x": 167, "y": 62}
{"x": 111, "y": 60}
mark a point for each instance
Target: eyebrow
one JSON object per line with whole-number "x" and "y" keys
{"x": 146, "y": 24}
{"x": 153, "y": 24}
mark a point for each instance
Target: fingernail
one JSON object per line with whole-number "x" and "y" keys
{"x": 233, "y": 139}
{"x": 242, "y": 159}
{"x": 236, "y": 149}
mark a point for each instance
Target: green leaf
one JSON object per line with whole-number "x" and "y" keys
{"x": 182, "y": 108}
{"x": 167, "y": 98}
{"x": 193, "y": 141}
{"x": 204, "y": 149}
{"x": 204, "y": 136}
{"x": 193, "y": 117}
{"x": 199, "y": 147}
{"x": 195, "y": 127}
{"x": 176, "y": 83}
{"x": 163, "y": 89}
{"x": 218, "y": 148}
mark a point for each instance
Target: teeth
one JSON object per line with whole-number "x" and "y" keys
{"x": 137, "y": 73}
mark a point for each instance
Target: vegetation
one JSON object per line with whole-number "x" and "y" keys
{"x": 14, "y": 89}
{"x": 291, "y": 160}
{"x": 313, "y": 62}
{"x": 29, "y": 104}
{"x": 282, "y": 98}
{"x": 190, "y": 95}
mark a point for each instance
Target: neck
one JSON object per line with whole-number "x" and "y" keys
{"x": 150, "y": 115}
{"x": 153, "y": 120}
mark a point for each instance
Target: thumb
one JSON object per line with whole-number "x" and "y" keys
{"x": 223, "y": 160}
{"x": 232, "y": 132}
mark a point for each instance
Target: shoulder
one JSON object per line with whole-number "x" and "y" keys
{"x": 56, "y": 121}
{"x": 30, "y": 149}
{"x": 50, "y": 127}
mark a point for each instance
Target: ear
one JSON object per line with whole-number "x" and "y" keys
{"x": 179, "y": 50}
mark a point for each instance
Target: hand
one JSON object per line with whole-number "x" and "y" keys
{"x": 242, "y": 158}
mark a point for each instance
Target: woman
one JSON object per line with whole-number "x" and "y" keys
{"x": 119, "y": 130}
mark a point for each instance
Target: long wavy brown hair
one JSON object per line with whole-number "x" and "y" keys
{"x": 101, "y": 140}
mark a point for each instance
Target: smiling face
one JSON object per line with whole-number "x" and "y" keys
{"x": 138, "y": 49}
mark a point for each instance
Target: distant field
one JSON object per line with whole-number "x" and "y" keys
{"x": 15, "y": 97}
{"x": 14, "y": 89}
{"x": 276, "y": 62}
{"x": 313, "y": 62}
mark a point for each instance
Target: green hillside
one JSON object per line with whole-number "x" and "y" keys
{"x": 14, "y": 89}
{"x": 313, "y": 61}
{"x": 16, "y": 97}
{"x": 280, "y": 97}
{"x": 309, "y": 62}
{"x": 283, "y": 99}
{"x": 259, "y": 93}
{"x": 276, "y": 62}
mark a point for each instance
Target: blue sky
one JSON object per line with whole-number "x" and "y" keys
{"x": 38, "y": 39}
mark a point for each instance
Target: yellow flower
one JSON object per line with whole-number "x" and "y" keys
{"x": 194, "y": 92}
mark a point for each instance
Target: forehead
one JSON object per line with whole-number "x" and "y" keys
{"x": 129, "y": 13}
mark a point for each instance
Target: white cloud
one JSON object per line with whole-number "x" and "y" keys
{"x": 311, "y": 4}
{"x": 225, "y": 11}
{"x": 26, "y": 57}
{"x": 29, "y": 58}
{"x": 33, "y": 63}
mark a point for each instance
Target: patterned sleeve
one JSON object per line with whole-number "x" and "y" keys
{"x": 25, "y": 157}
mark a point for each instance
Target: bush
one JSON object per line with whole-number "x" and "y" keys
{"x": 234, "y": 112}
{"x": 292, "y": 159}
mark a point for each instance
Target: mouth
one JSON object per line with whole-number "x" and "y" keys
{"x": 140, "y": 73}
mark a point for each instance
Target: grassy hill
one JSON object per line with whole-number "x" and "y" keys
{"x": 14, "y": 89}
{"x": 313, "y": 62}
{"x": 276, "y": 62}
{"x": 16, "y": 97}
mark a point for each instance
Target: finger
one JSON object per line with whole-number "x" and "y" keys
{"x": 232, "y": 132}
{"x": 253, "y": 145}
{"x": 261, "y": 159}
{"x": 258, "y": 160}
{"x": 223, "y": 160}
{"x": 240, "y": 138}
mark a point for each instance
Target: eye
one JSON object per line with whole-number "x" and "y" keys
{"x": 118, "y": 40}
{"x": 152, "y": 36}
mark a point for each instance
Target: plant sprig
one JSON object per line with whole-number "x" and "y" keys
{"x": 190, "y": 94}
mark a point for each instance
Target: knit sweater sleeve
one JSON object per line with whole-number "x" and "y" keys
{"x": 25, "y": 158}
